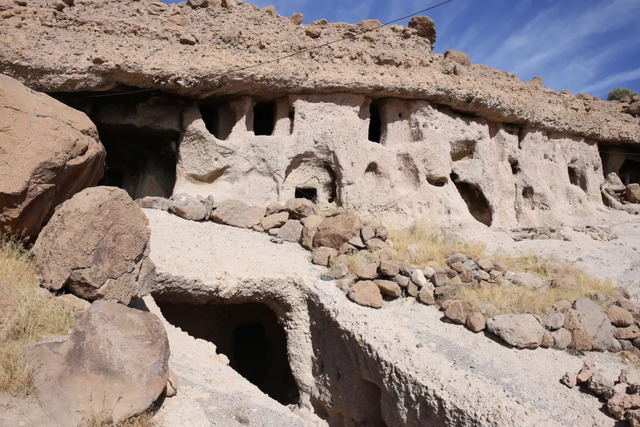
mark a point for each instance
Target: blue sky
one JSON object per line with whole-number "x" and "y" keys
{"x": 584, "y": 46}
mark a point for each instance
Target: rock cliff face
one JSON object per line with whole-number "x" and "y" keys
{"x": 375, "y": 122}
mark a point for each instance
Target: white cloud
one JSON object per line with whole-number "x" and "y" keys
{"x": 614, "y": 80}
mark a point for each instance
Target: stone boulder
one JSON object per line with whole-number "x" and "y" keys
{"x": 580, "y": 338}
{"x": 152, "y": 202}
{"x": 366, "y": 293}
{"x": 518, "y": 330}
{"x": 596, "y": 323}
{"x": 188, "y": 207}
{"x": 337, "y": 229}
{"x": 632, "y": 193}
{"x": 457, "y": 56}
{"x": 49, "y": 152}
{"x": 300, "y": 208}
{"x": 310, "y": 225}
{"x": 114, "y": 364}
{"x": 237, "y": 214}
{"x": 476, "y": 322}
{"x": 275, "y": 220}
{"x": 425, "y": 27}
{"x": 457, "y": 311}
{"x": 96, "y": 246}
{"x": 291, "y": 231}
{"x": 618, "y": 316}
{"x": 389, "y": 288}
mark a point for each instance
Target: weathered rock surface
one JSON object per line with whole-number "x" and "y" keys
{"x": 275, "y": 220}
{"x": 404, "y": 349}
{"x": 96, "y": 246}
{"x": 337, "y": 229}
{"x": 389, "y": 288}
{"x": 518, "y": 330}
{"x": 237, "y": 214}
{"x": 188, "y": 207}
{"x": 457, "y": 312}
{"x": 112, "y": 365}
{"x": 48, "y": 152}
{"x": 596, "y": 323}
{"x": 618, "y": 316}
{"x": 366, "y": 293}
{"x": 300, "y": 208}
{"x": 632, "y": 193}
{"x": 499, "y": 96}
{"x": 291, "y": 231}
{"x": 151, "y": 202}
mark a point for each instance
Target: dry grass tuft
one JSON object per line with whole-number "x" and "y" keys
{"x": 430, "y": 245}
{"x": 358, "y": 259}
{"x": 39, "y": 316}
{"x": 519, "y": 299}
{"x": 570, "y": 283}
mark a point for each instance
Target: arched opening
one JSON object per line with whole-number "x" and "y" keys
{"x": 630, "y": 172}
{"x": 437, "y": 181}
{"x": 249, "y": 335}
{"x": 292, "y": 116}
{"x": 219, "y": 119}
{"x": 577, "y": 178}
{"x": 264, "y": 118}
{"x": 140, "y": 161}
{"x": 375, "y": 123}
{"x": 309, "y": 193}
{"x": 475, "y": 200}
{"x": 515, "y": 165}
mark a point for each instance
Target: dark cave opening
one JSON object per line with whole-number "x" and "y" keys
{"x": 219, "y": 119}
{"x": 309, "y": 193}
{"x": 249, "y": 335}
{"x": 375, "y": 122}
{"x": 630, "y": 171}
{"x": 577, "y": 178}
{"x": 141, "y": 161}
{"x": 623, "y": 160}
{"x": 264, "y": 118}
{"x": 475, "y": 200}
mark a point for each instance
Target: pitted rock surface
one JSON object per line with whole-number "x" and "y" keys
{"x": 96, "y": 246}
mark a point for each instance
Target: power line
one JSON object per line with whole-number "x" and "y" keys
{"x": 291, "y": 55}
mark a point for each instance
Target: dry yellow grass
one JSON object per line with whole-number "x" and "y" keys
{"x": 430, "y": 245}
{"x": 39, "y": 316}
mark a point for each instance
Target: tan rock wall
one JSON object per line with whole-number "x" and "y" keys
{"x": 428, "y": 160}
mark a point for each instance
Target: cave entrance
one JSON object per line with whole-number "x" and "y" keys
{"x": 219, "y": 119}
{"x": 475, "y": 200}
{"x": 141, "y": 161}
{"x": 264, "y": 118}
{"x": 249, "y": 335}
{"x": 310, "y": 193}
{"x": 630, "y": 171}
{"x": 577, "y": 178}
{"x": 623, "y": 160}
{"x": 375, "y": 122}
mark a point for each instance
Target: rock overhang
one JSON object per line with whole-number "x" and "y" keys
{"x": 122, "y": 45}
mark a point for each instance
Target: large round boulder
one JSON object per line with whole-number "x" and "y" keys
{"x": 49, "y": 152}
{"x": 113, "y": 365}
{"x": 96, "y": 246}
{"x": 335, "y": 230}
